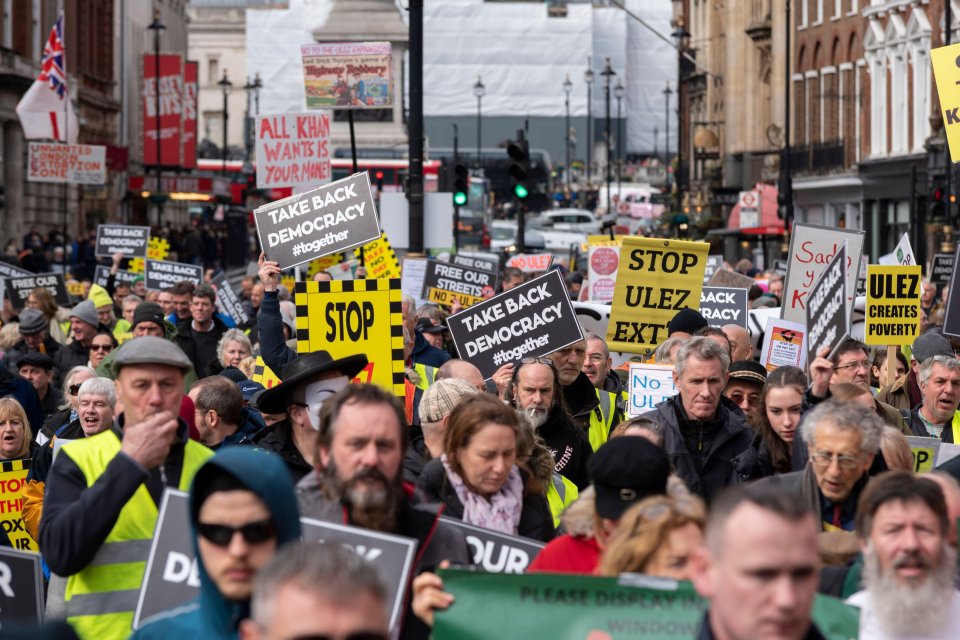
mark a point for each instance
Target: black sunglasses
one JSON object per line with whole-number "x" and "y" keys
{"x": 221, "y": 534}
{"x": 356, "y": 635}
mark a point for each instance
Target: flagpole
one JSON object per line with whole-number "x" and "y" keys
{"x": 66, "y": 135}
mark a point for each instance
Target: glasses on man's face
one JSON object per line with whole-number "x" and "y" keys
{"x": 101, "y": 347}
{"x": 850, "y": 366}
{"x": 537, "y": 360}
{"x": 823, "y": 460}
{"x": 355, "y": 635}
{"x": 221, "y": 534}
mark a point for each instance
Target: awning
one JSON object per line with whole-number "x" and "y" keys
{"x": 770, "y": 224}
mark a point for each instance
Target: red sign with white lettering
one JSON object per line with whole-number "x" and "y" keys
{"x": 171, "y": 110}
{"x": 189, "y": 103}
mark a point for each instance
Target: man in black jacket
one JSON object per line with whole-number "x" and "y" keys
{"x": 703, "y": 430}
{"x": 198, "y": 336}
{"x": 34, "y": 337}
{"x": 84, "y": 324}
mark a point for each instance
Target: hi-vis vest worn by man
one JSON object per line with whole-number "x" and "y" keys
{"x": 602, "y": 419}
{"x": 101, "y": 598}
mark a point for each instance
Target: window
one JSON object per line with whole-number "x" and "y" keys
{"x": 213, "y": 70}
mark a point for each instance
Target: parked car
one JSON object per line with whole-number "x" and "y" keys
{"x": 579, "y": 220}
{"x": 503, "y": 237}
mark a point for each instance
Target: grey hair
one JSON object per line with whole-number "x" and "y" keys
{"x": 100, "y": 387}
{"x": 926, "y": 368}
{"x": 407, "y": 302}
{"x": 661, "y": 354}
{"x": 233, "y": 335}
{"x": 845, "y": 416}
{"x": 326, "y": 570}
{"x": 132, "y": 298}
{"x": 68, "y": 378}
{"x": 702, "y": 348}
{"x": 592, "y": 336}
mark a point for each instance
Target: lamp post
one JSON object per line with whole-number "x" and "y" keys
{"x": 249, "y": 130}
{"x": 156, "y": 26}
{"x": 225, "y": 86}
{"x": 681, "y": 36}
{"x": 588, "y": 78}
{"x": 618, "y": 91}
{"x": 567, "y": 88}
{"x": 607, "y": 74}
{"x": 666, "y": 128}
{"x": 479, "y": 90}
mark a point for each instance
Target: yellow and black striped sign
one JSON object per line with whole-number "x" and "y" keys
{"x": 379, "y": 259}
{"x": 264, "y": 374}
{"x": 348, "y": 317}
{"x": 13, "y": 475}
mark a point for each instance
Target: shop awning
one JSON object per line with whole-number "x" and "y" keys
{"x": 770, "y": 224}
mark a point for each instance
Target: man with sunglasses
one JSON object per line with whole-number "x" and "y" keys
{"x": 102, "y": 495}
{"x": 243, "y": 510}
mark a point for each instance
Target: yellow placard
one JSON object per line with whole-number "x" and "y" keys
{"x": 321, "y": 264}
{"x": 13, "y": 475}
{"x": 350, "y": 317}
{"x": 946, "y": 70}
{"x": 157, "y": 249}
{"x": 657, "y": 278}
{"x": 446, "y": 298}
{"x": 893, "y": 305}
{"x": 379, "y": 259}
{"x": 264, "y": 374}
{"x": 923, "y": 458}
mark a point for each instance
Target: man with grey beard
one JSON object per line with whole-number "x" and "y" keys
{"x": 357, "y": 480}
{"x": 909, "y": 565}
{"x": 536, "y": 394}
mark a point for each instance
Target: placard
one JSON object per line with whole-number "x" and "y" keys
{"x": 827, "y": 320}
{"x": 603, "y": 263}
{"x": 264, "y": 374}
{"x": 67, "y": 163}
{"x": 496, "y": 552}
{"x": 531, "y": 262}
{"x": 649, "y": 385}
{"x": 349, "y": 75}
{"x": 10, "y": 271}
{"x": 379, "y": 258}
{"x": 902, "y": 254}
{"x": 723, "y": 305}
{"x": 477, "y": 260}
{"x": 893, "y": 305}
{"x": 657, "y": 279}
{"x": 714, "y": 262}
{"x": 293, "y": 150}
{"x": 811, "y": 249}
{"x": 347, "y": 317}
{"x": 784, "y": 344}
{"x": 101, "y": 275}
{"x": 930, "y": 453}
{"x": 391, "y": 556}
{"x": 330, "y": 219}
{"x": 445, "y": 283}
{"x": 159, "y": 275}
{"x": 941, "y": 268}
{"x": 18, "y": 289}
{"x": 731, "y": 280}
{"x": 13, "y": 475}
{"x": 118, "y": 238}
{"x": 947, "y": 75}
{"x": 951, "y": 316}
{"x": 532, "y": 319}
{"x": 780, "y": 267}
{"x": 21, "y": 589}
{"x": 411, "y": 278}
{"x": 228, "y": 302}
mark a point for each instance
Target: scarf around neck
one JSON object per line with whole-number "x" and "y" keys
{"x": 501, "y": 512}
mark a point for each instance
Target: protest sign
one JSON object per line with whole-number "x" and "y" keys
{"x": 21, "y": 589}
{"x": 347, "y": 317}
{"x": 293, "y": 150}
{"x": 171, "y": 576}
{"x": 157, "y": 249}
{"x": 951, "y": 316}
{"x": 477, "y": 260}
{"x": 902, "y": 254}
{"x": 10, "y": 271}
{"x": 827, "y": 321}
{"x": 657, "y": 279}
{"x": 780, "y": 267}
{"x": 264, "y": 374}
{"x": 602, "y": 266}
{"x": 811, "y": 249}
{"x": 379, "y": 259}
{"x": 322, "y": 264}
{"x": 13, "y": 475}
{"x": 532, "y": 319}
{"x": 411, "y": 278}
{"x": 531, "y": 262}
{"x": 228, "y": 301}
{"x": 924, "y": 453}
{"x": 345, "y": 270}
{"x": 101, "y": 276}
{"x": 497, "y": 552}
{"x": 18, "y": 289}
{"x": 348, "y": 75}
{"x": 649, "y": 385}
{"x": 722, "y": 305}
{"x": 445, "y": 283}
{"x": 118, "y": 238}
{"x": 330, "y": 219}
{"x": 945, "y": 71}
{"x": 714, "y": 262}
{"x": 67, "y": 163}
{"x": 784, "y": 344}
{"x": 390, "y": 556}
{"x": 730, "y": 280}
{"x": 948, "y": 451}
{"x": 893, "y": 305}
{"x": 941, "y": 269}
{"x": 158, "y": 275}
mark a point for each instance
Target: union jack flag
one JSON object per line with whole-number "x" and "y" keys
{"x": 51, "y": 64}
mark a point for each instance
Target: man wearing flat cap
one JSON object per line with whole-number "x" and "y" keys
{"x": 102, "y": 498}
{"x": 307, "y": 382}
{"x": 34, "y": 337}
{"x": 37, "y": 369}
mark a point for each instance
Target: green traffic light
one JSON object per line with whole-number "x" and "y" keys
{"x": 521, "y": 191}
{"x": 459, "y": 198}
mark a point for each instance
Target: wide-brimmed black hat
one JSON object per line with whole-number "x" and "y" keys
{"x": 277, "y": 399}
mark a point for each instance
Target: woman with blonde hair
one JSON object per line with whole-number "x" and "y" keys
{"x": 656, "y": 538}
{"x": 16, "y": 438}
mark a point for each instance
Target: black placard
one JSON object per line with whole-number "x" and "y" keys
{"x": 951, "y": 317}
{"x": 158, "y": 275}
{"x": 496, "y": 552}
{"x": 18, "y": 289}
{"x": 132, "y": 242}
{"x": 941, "y": 269}
{"x": 724, "y": 305}
{"x": 228, "y": 301}
{"x": 443, "y": 282}
{"x": 477, "y": 261}
{"x": 826, "y": 307}
{"x": 21, "y": 588}
{"x": 780, "y": 267}
{"x": 102, "y": 273}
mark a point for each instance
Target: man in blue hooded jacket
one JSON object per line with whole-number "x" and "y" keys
{"x": 242, "y": 509}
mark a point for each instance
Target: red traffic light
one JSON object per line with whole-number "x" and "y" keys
{"x": 938, "y": 194}
{"x": 378, "y": 175}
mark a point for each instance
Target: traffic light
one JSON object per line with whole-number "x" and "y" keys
{"x": 938, "y": 199}
{"x": 379, "y": 176}
{"x": 519, "y": 152}
{"x": 460, "y": 180}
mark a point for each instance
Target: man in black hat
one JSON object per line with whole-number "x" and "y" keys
{"x": 432, "y": 333}
{"x": 34, "y": 337}
{"x": 307, "y": 382}
{"x": 148, "y": 321}
{"x": 37, "y": 369}
{"x": 685, "y": 323}
{"x": 745, "y": 385}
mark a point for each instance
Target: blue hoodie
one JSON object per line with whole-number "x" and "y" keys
{"x": 211, "y": 615}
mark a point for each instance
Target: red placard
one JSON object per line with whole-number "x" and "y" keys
{"x": 189, "y": 102}
{"x": 171, "y": 89}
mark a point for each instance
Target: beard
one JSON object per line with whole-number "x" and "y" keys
{"x": 904, "y": 610}
{"x": 370, "y": 507}
{"x": 536, "y": 415}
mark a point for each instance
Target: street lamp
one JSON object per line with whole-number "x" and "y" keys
{"x": 479, "y": 90}
{"x": 607, "y": 74}
{"x": 225, "y": 86}
{"x": 156, "y": 26}
{"x": 567, "y": 88}
{"x": 618, "y": 91}
{"x": 588, "y": 78}
{"x": 666, "y": 128}
{"x": 681, "y": 35}
{"x": 249, "y": 130}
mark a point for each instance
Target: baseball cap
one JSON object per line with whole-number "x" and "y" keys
{"x": 425, "y": 325}
{"x": 249, "y": 388}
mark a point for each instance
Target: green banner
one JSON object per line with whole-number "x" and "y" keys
{"x": 568, "y": 607}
